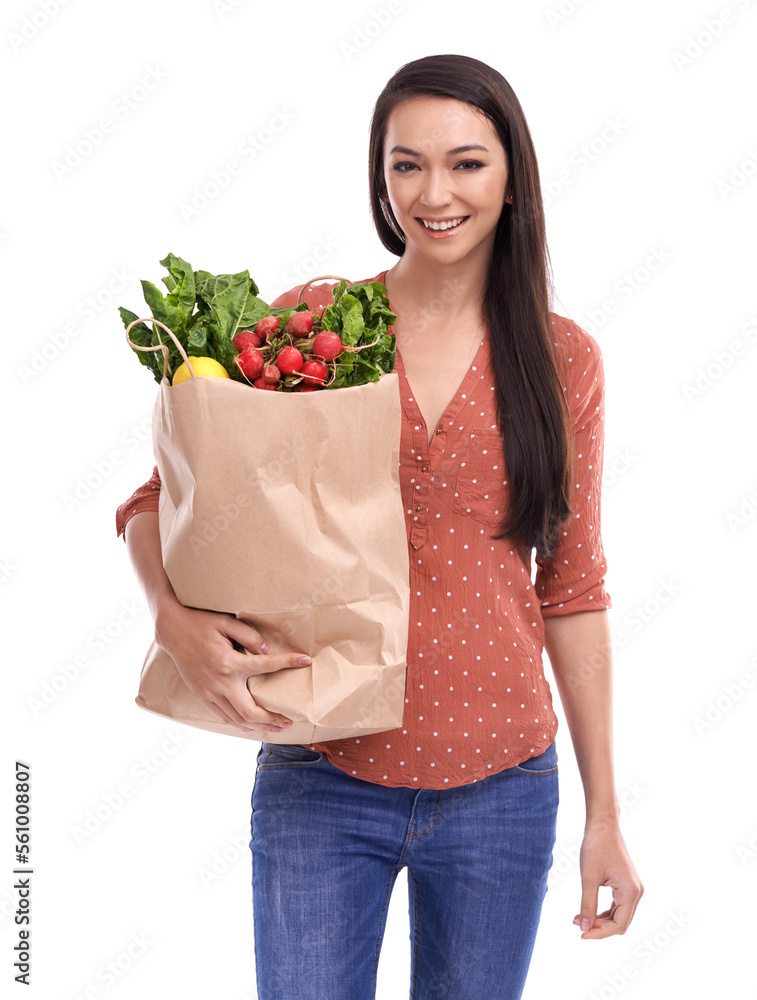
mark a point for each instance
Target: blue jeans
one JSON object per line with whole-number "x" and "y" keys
{"x": 327, "y": 848}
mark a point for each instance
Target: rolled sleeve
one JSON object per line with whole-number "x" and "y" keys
{"x": 574, "y": 580}
{"x": 146, "y": 497}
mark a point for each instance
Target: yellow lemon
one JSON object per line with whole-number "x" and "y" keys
{"x": 200, "y": 366}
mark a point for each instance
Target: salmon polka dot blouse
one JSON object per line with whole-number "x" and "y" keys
{"x": 477, "y": 699}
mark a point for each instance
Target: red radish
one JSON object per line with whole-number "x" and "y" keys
{"x": 250, "y": 362}
{"x": 302, "y": 387}
{"x": 300, "y": 324}
{"x": 314, "y": 372}
{"x": 246, "y": 338}
{"x": 327, "y": 345}
{"x": 260, "y": 383}
{"x": 267, "y": 325}
{"x": 270, "y": 373}
{"x": 289, "y": 361}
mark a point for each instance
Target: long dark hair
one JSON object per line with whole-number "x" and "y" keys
{"x": 533, "y": 414}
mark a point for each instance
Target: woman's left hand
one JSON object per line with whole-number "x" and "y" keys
{"x": 605, "y": 861}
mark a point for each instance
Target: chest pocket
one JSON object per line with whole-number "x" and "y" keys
{"x": 480, "y": 490}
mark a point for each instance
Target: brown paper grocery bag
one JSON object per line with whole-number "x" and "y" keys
{"x": 284, "y": 509}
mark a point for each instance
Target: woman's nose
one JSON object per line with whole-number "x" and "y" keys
{"x": 436, "y": 190}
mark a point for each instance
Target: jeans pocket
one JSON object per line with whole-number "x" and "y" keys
{"x": 287, "y": 755}
{"x": 540, "y": 765}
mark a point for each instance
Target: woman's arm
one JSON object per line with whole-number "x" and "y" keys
{"x": 580, "y": 653}
{"x": 201, "y": 642}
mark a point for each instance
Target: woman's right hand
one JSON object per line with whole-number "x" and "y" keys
{"x": 200, "y": 643}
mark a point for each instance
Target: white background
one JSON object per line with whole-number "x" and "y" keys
{"x": 659, "y": 93}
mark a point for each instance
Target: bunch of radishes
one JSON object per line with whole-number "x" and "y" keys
{"x": 293, "y": 359}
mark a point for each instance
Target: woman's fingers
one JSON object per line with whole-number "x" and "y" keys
{"x": 230, "y": 699}
{"x": 278, "y": 661}
{"x": 605, "y": 862}
{"x": 255, "y": 717}
{"x": 202, "y": 645}
{"x": 266, "y": 661}
{"x": 613, "y": 921}
{"x": 245, "y": 635}
{"x": 227, "y": 694}
{"x": 235, "y": 697}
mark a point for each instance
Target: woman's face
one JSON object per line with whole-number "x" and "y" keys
{"x": 446, "y": 178}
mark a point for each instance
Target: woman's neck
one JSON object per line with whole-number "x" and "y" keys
{"x": 452, "y": 292}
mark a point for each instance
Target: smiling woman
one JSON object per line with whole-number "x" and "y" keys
{"x": 500, "y": 453}
{"x": 446, "y": 190}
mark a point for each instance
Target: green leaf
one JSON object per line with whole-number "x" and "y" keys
{"x": 180, "y": 283}
{"x": 198, "y": 340}
{"x": 142, "y": 335}
{"x": 227, "y": 296}
{"x": 164, "y": 310}
{"x": 225, "y": 355}
{"x": 353, "y": 326}
{"x": 254, "y": 310}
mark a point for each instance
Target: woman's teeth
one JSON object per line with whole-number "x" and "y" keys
{"x": 444, "y": 225}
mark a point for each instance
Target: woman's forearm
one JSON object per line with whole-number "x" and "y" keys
{"x": 143, "y": 544}
{"x": 580, "y": 652}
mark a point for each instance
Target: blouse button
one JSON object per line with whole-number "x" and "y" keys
{"x": 438, "y": 430}
{"x": 424, "y": 468}
{"x": 419, "y": 508}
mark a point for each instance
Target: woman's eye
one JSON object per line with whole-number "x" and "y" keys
{"x": 466, "y": 166}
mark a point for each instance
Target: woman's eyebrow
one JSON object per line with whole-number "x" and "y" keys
{"x": 450, "y": 152}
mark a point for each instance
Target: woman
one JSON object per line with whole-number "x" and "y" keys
{"x": 465, "y": 794}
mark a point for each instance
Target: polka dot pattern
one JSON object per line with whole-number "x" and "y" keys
{"x": 477, "y": 699}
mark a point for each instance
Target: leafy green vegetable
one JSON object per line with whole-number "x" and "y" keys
{"x": 206, "y": 310}
{"x": 254, "y": 310}
{"x": 361, "y": 314}
{"x": 226, "y": 296}
{"x": 180, "y": 283}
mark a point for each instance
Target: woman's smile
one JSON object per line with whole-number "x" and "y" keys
{"x": 441, "y": 228}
